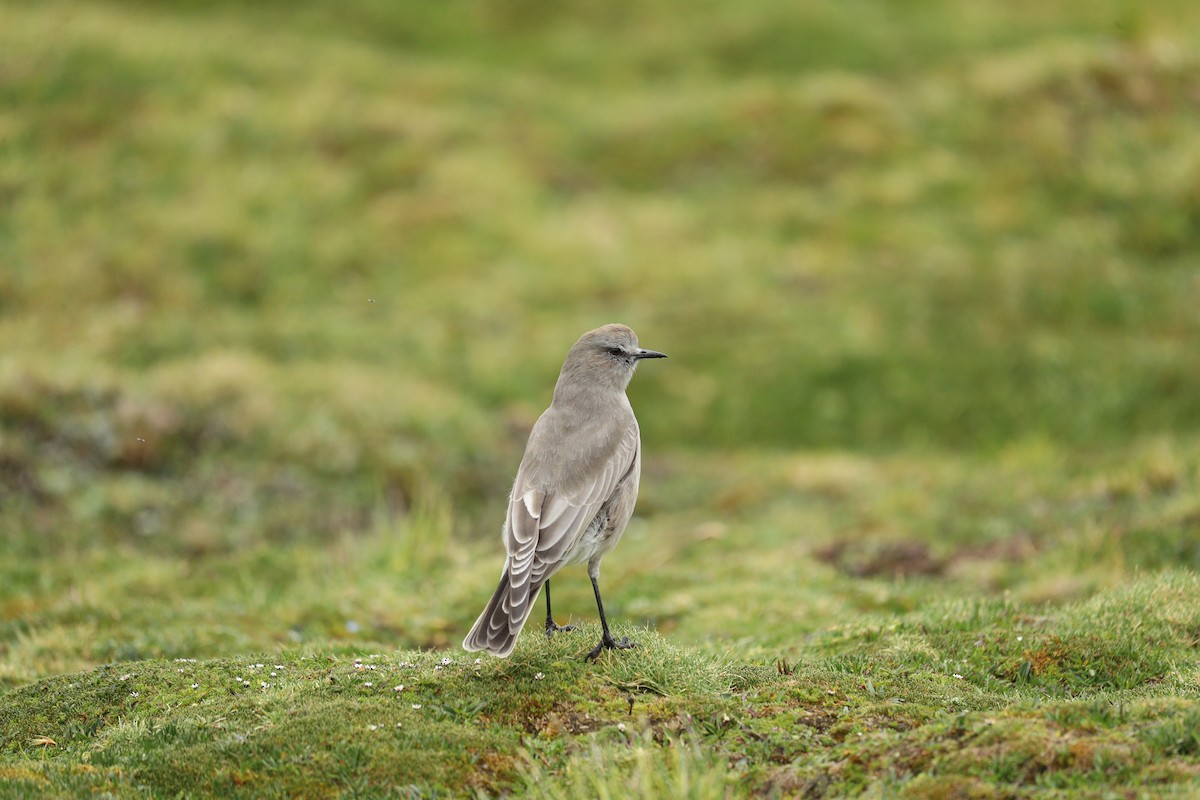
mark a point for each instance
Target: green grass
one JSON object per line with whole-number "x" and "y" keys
{"x": 283, "y": 287}
{"x": 937, "y": 700}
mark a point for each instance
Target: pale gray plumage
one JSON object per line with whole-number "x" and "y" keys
{"x": 575, "y": 489}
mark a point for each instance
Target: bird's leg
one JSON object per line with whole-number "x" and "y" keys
{"x": 551, "y": 628}
{"x": 607, "y": 642}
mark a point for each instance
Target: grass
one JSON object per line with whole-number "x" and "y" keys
{"x": 283, "y": 288}
{"x": 979, "y": 696}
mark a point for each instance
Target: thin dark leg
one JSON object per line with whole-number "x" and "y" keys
{"x": 551, "y": 628}
{"x": 607, "y": 642}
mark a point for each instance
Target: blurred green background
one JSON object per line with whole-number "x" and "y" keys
{"x": 284, "y": 285}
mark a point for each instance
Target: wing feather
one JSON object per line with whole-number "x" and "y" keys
{"x": 544, "y": 526}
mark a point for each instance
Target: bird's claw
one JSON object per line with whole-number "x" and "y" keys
{"x": 609, "y": 643}
{"x": 552, "y": 629}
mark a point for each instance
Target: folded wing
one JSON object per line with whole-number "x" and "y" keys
{"x": 543, "y": 528}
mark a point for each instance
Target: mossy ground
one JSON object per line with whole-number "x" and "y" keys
{"x": 283, "y": 287}
{"x": 970, "y": 699}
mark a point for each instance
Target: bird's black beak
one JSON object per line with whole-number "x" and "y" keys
{"x": 649, "y": 354}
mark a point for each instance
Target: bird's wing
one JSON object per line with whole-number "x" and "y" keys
{"x": 543, "y": 526}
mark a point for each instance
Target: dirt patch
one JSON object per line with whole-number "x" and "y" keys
{"x": 564, "y": 719}
{"x": 905, "y": 558}
{"x": 1014, "y": 549}
{"x": 875, "y": 559}
{"x": 820, "y": 721}
{"x": 18, "y": 476}
{"x": 104, "y": 428}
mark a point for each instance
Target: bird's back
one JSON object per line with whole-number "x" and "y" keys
{"x": 570, "y": 446}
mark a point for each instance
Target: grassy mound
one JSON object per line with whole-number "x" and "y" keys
{"x": 994, "y": 699}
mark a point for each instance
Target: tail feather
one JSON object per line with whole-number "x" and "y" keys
{"x": 500, "y": 624}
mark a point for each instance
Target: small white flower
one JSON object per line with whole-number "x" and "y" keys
{"x": 133, "y": 694}
{"x": 258, "y": 666}
{"x": 398, "y": 725}
{"x": 399, "y": 688}
{"x": 237, "y": 680}
{"x": 1020, "y": 638}
{"x": 446, "y": 662}
{"x": 180, "y": 670}
{"x": 416, "y": 705}
{"x": 438, "y": 667}
{"x": 620, "y": 726}
{"x": 479, "y": 661}
{"x": 279, "y": 666}
{"x": 538, "y": 677}
{"x": 372, "y": 666}
{"x": 126, "y": 676}
{"x": 264, "y": 684}
{"x": 195, "y": 686}
{"x": 958, "y": 676}
{"x": 367, "y": 683}
{"x": 245, "y": 683}
{"x": 373, "y": 727}
{"x": 273, "y": 674}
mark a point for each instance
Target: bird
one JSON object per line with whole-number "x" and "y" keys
{"x": 575, "y": 488}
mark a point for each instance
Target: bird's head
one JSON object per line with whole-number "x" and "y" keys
{"x": 604, "y": 357}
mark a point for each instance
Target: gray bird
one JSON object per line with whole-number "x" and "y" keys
{"x": 575, "y": 488}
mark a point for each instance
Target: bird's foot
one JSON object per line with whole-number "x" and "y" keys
{"x": 552, "y": 629}
{"x": 609, "y": 643}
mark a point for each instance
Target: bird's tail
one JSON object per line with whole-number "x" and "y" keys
{"x": 500, "y": 624}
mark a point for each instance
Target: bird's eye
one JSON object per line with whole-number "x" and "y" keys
{"x": 615, "y": 351}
